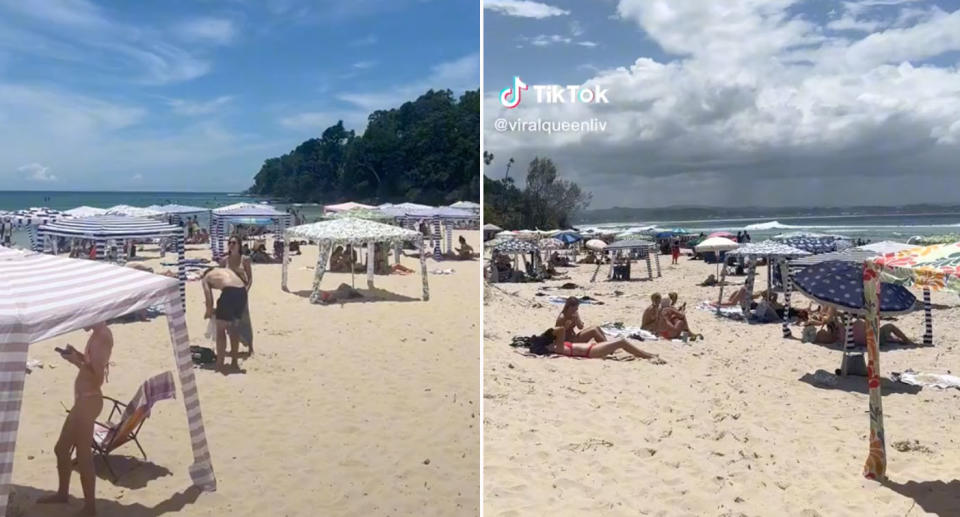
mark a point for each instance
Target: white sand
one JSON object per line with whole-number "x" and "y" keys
{"x": 337, "y": 413}
{"x": 727, "y": 427}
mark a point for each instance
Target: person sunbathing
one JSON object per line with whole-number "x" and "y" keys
{"x": 739, "y": 296}
{"x": 569, "y": 320}
{"x": 465, "y": 251}
{"x": 672, "y": 324}
{"x": 889, "y": 334}
{"x": 553, "y": 342}
{"x": 400, "y": 269}
{"x": 650, "y": 314}
{"x": 710, "y": 281}
{"x": 92, "y": 367}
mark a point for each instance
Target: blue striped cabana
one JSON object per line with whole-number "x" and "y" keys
{"x": 103, "y": 228}
{"x": 244, "y": 213}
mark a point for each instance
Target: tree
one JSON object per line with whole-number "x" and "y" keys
{"x": 547, "y": 201}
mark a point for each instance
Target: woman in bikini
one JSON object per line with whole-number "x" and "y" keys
{"x": 92, "y": 367}
{"x": 569, "y": 320}
{"x": 239, "y": 263}
{"x": 672, "y": 324}
{"x": 553, "y": 342}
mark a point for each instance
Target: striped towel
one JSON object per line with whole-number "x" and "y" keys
{"x": 156, "y": 388}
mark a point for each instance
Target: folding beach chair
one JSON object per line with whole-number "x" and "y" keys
{"x": 109, "y": 436}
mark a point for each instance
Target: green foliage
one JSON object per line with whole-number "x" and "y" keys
{"x": 547, "y": 202}
{"x": 427, "y": 151}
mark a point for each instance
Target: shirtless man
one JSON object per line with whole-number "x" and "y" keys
{"x": 651, "y": 313}
{"x": 229, "y": 310}
{"x": 77, "y": 428}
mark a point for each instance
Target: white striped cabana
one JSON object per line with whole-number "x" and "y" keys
{"x": 645, "y": 249}
{"x": 244, "y": 213}
{"x": 352, "y": 232}
{"x": 442, "y": 221}
{"x": 103, "y": 228}
{"x": 43, "y": 296}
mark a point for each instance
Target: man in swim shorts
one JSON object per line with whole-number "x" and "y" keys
{"x": 228, "y": 312}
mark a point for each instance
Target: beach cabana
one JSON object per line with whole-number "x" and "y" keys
{"x": 490, "y": 231}
{"x": 45, "y": 296}
{"x": 133, "y": 211}
{"x": 342, "y": 207}
{"x": 442, "y": 222}
{"x": 467, "y": 205}
{"x": 175, "y": 213}
{"x": 772, "y": 252}
{"x": 645, "y": 248}
{"x": 934, "y": 267}
{"x": 884, "y": 247}
{"x": 244, "y": 213}
{"x": 31, "y": 218}
{"x": 104, "y": 228}
{"x": 84, "y": 211}
{"x": 352, "y": 232}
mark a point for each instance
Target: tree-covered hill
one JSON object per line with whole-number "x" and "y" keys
{"x": 426, "y": 151}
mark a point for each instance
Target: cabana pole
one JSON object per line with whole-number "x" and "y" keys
{"x": 321, "y": 268}
{"x": 371, "y": 249}
{"x": 656, "y": 258}
{"x": 785, "y": 282}
{"x": 285, "y": 266}
{"x": 13, "y": 371}
{"x": 723, "y": 276}
{"x": 649, "y": 267}
{"x": 927, "y": 318}
{"x": 423, "y": 271}
{"x": 182, "y": 270}
{"x": 876, "y": 464}
{"x": 751, "y": 277}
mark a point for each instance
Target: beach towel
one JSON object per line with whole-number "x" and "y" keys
{"x": 936, "y": 380}
{"x": 156, "y": 388}
{"x": 733, "y": 313}
{"x": 618, "y": 330}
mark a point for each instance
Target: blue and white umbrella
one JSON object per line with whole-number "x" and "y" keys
{"x": 840, "y": 285}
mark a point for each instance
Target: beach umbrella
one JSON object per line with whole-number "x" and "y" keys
{"x": 726, "y": 235}
{"x": 596, "y": 245}
{"x": 664, "y": 235}
{"x": 491, "y": 228}
{"x": 516, "y": 246}
{"x": 885, "y": 247}
{"x": 568, "y": 237}
{"x": 839, "y": 284}
{"x": 716, "y": 245}
{"x": 85, "y": 211}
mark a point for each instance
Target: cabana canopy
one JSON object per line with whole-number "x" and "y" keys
{"x": 352, "y": 232}
{"x": 516, "y": 246}
{"x": 350, "y": 205}
{"x": 884, "y": 247}
{"x": 934, "y": 267}
{"x": 491, "y": 228}
{"x": 812, "y": 244}
{"x": 630, "y": 245}
{"x": 466, "y": 205}
{"x": 361, "y": 213}
{"x": 42, "y": 296}
{"x": 551, "y": 244}
{"x": 840, "y": 285}
{"x": 243, "y": 213}
{"x": 102, "y": 228}
{"x": 767, "y": 249}
{"x": 85, "y": 211}
{"x": 174, "y": 209}
{"x": 132, "y": 211}
{"x": 647, "y": 248}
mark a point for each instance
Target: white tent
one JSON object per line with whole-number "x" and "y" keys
{"x": 352, "y": 232}
{"x": 244, "y": 213}
{"x": 132, "y": 211}
{"x": 45, "y": 296}
{"x": 85, "y": 211}
{"x": 350, "y": 205}
{"x": 467, "y": 205}
{"x": 884, "y": 247}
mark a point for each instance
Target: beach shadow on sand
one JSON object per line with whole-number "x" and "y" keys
{"x": 936, "y": 497}
{"x": 367, "y": 296}
{"x": 132, "y": 472}
{"x": 856, "y": 384}
{"x": 23, "y": 504}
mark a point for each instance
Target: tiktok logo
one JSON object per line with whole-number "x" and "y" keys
{"x": 510, "y": 97}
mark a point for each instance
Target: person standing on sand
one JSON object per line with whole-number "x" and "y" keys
{"x": 229, "y": 310}
{"x": 239, "y": 262}
{"x": 675, "y": 251}
{"x": 77, "y": 431}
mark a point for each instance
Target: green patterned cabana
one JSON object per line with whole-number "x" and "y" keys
{"x": 352, "y": 232}
{"x": 934, "y": 267}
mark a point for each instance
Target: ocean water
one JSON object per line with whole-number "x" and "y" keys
{"x": 874, "y": 227}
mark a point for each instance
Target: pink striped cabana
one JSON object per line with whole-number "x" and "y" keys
{"x": 43, "y": 296}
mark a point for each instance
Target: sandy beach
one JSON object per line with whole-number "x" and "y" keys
{"x": 729, "y": 426}
{"x": 354, "y": 409}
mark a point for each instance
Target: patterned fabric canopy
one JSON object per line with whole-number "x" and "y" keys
{"x": 851, "y": 255}
{"x": 884, "y": 247}
{"x": 551, "y": 244}
{"x": 840, "y": 284}
{"x": 491, "y": 228}
{"x": 934, "y": 267}
{"x": 442, "y": 212}
{"x": 347, "y": 231}
{"x": 466, "y": 205}
{"x": 361, "y": 213}
{"x": 85, "y": 211}
{"x": 350, "y": 205}
{"x": 630, "y": 244}
{"x": 513, "y": 246}
{"x": 132, "y": 211}
{"x": 249, "y": 210}
{"x": 110, "y": 227}
{"x": 811, "y": 244}
{"x": 33, "y": 216}
{"x": 927, "y": 240}
{"x": 768, "y": 249}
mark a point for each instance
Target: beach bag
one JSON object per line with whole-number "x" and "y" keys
{"x": 202, "y": 355}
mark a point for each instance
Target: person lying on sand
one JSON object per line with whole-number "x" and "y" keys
{"x": 552, "y": 342}
{"x": 650, "y": 314}
{"x": 672, "y": 324}
{"x": 569, "y": 320}
{"x": 740, "y": 295}
{"x": 889, "y": 334}
{"x": 92, "y": 367}
{"x": 710, "y": 281}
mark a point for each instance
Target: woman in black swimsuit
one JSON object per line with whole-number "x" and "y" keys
{"x": 552, "y": 342}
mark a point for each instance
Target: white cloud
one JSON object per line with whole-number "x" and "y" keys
{"x": 753, "y": 94}
{"x": 37, "y": 172}
{"x": 849, "y": 23}
{"x": 78, "y": 33}
{"x": 546, "y": 40}
{"x": 524, "y": 8}
{"x": 194, "y": 108}
{"x": 363, "y": 65}
{"x": 218, "y": 31}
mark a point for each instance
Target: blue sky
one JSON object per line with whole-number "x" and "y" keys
{"x": 195, "y": 94}
{"x": 757, "y": 102}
